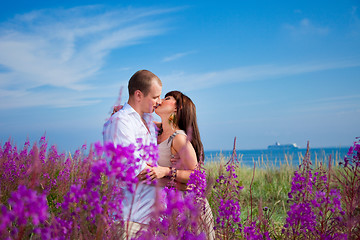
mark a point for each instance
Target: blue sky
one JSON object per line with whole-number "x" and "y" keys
{"x": 262, "y": 71}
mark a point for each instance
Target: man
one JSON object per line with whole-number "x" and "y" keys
{"x": 127, "y": 126}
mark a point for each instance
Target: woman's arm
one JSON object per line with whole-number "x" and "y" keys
{"x": 187, "y": 158}
{"x": 184, "y": 167}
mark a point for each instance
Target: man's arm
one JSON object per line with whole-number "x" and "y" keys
{"x": 124, "y": 135}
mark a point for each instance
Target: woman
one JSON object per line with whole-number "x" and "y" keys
{"x": 179, "y": 138}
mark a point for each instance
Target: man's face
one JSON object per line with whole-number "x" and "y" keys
{"x": 151, "y": 100}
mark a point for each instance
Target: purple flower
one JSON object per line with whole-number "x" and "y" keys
{"x": 5, "y": 219}
{"x": 314, "y": 205}
{"x": 197, "y": 185}
{"x": 176, "y": 218}
{"x": 25, "y": 204}
{"x": 229, "y": 215}
{"x": 252, "y": 232}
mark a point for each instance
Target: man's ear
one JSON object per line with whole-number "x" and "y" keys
{"x": 138, "y": 95}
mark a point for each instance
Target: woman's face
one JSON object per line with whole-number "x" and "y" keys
{"x": 166, "y": 106}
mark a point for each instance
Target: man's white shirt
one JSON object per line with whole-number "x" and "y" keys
{"x": 125, "y": 127}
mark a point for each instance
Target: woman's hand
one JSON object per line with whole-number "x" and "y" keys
{"x": 151, "y": 173}
{"x": 116, "y": 109}
{"x": 158, "y": 172}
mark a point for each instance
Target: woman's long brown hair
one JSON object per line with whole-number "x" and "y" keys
{"x": 186, "y": 120}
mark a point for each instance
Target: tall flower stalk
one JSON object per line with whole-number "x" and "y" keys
{"x": 348, "y": 178}
{"x": 315, "y": 210}
{"x": 226, "y": 198}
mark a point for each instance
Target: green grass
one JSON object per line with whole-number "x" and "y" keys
{"x": 270, "y": 188}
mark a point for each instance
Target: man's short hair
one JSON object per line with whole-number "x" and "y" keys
{"x": 141, "y": 80}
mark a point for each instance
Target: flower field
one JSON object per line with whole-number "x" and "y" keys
{"x": 49, "y": 195}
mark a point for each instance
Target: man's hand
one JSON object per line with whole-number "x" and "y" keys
{"x": 143, "y": 173}
{"x": 181, "y": 186}
{"x": 175, "y": 160}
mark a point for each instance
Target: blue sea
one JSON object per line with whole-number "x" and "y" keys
{"x": 275, "y": 158}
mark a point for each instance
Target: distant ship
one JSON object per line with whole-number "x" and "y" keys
{"x": 278, "y": 146}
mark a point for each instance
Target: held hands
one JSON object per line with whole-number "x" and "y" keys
{"x": 158, "y": 172}
{"x": 152, "y": 173}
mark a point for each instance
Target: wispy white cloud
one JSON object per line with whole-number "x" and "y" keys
{"x": 48, "y": 96}
{"x": 335, "y": 105}
{"x": 64, "y": 48}
{"x": 327, "y": 108}
{"x": 340, "y": 98}
{"x": 306, "y": 27}
{"x": 188, "y": 82}
{"x": 355, "y": 21}
{"x": 177, "y": 56}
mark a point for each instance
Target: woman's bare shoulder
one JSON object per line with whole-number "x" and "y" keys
{"x": 179, "y": 141}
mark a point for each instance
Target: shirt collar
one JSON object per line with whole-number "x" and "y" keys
{"x": 130, "y": 110}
